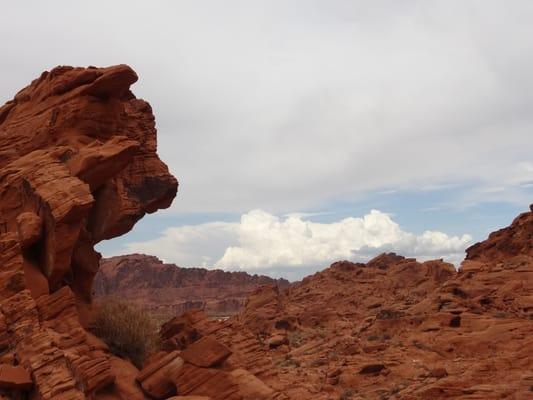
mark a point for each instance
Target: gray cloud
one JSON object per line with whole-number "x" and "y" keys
{"x": 288, "y": 105}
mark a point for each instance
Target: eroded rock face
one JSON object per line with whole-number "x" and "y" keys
{"x": 218, "y": 359}
{"x": 514, "y": 240}
{"x": 393, "y": 328}
{"x": 78, "y": 165}
{"x": 168, "y": 290}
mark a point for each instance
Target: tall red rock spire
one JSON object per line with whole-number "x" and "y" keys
{"x": 78, "y": 165}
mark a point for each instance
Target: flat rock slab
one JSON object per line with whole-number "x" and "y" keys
{"x": 206, "y": 352}
{"x": 14, "y": 377}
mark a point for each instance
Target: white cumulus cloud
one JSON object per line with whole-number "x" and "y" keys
{"x": 263, "y": 241}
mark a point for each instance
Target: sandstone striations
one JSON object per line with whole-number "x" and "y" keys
{"x": 514, "y": 240}
{"x": 78, "y": 165}
{"x": 393, "y": 328}
{"x": 167, "y": 289}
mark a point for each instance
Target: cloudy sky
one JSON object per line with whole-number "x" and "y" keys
{"x": 303, "y": 132}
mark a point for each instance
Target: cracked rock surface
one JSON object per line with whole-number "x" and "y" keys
{"x": 78, "y": 165}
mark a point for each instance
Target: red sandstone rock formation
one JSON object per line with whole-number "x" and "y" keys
{"x": 207, "y": 357}
{"x": 167, "y": 289}
{"x": 514, "y": 240}
{"x": 393, "y": 328}
{"x": 78, "y": 164}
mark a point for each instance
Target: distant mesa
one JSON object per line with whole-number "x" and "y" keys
{"x": 169, "y": 290}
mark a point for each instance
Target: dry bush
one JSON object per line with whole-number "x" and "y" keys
{"x": 128, "y": 330}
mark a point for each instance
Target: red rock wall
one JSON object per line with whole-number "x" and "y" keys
{"x": 78, "y": 165}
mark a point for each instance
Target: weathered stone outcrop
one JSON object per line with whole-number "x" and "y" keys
{"x": 397, "y": 328}
{"x": 514, "y": 240}
{"x": 391, "y": 328}
{"x": 78, "y": 165}
{"x": 217, "y": 359}
{"x": 168, "y": 290}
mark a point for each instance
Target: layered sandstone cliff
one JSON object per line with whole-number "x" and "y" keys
{"x": 78, "y": 165}
{"x": 168, "y": 290}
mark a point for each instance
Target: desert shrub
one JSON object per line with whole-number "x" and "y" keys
{"x": 128, "y": 330}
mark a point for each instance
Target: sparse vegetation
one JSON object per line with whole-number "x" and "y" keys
{"x": 128, "y": 330}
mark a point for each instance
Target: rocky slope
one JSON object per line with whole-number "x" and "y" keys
{"x": 78, "y": 165}
{"x": 166, "y": 289}
{"x": 393, "y": 328}
{"x": 514, "y": 240}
